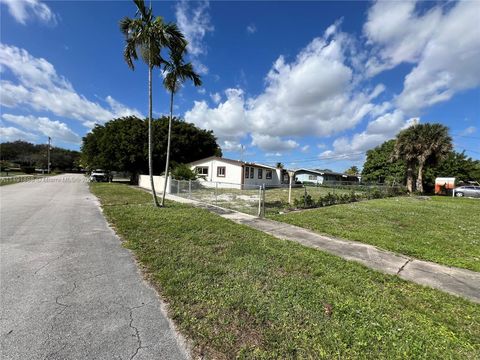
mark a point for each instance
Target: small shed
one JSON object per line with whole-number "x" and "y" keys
{"x": 444, "y": 185}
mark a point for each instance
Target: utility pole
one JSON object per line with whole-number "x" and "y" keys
{"x": 48, "y": 154}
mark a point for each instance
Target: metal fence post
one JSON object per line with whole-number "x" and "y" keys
{"x": 263, "y": 200}
{"x": 189, "y": 189}
{"x": 216, "y": 187}
{"x": 178, "y": 187}
{"x": 259, "y": 201}
{"x": 305, "y": 197}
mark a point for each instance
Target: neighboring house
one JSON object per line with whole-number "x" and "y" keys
{"x": 319, "y": 177}
{"x": 236, "y": 174}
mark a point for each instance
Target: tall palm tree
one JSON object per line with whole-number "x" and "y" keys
{"x": 176, "y": 72}
{"x": 405, "y": 149}
{"x": 419, "y": 144}
{"x": 148, "y": 35}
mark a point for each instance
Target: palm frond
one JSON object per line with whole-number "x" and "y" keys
{"x": 130, "y": 53}
{"x": 125, "y": 25}
{"x": 142, "y": 10}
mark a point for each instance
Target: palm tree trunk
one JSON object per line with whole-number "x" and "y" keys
{"x": 420, "y": 176}
{"x": 167, "y": 163}
{"x": 150, "y": 166}
{"x": 409, "y": 177}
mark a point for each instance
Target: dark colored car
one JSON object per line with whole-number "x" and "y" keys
{"x": 468, "y": 191}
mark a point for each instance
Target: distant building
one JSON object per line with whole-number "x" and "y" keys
{"x": 319, "y": 177}
{"x": 237, "y": 174}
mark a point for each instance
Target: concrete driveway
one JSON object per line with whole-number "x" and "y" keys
{"x": 68, "y": 288}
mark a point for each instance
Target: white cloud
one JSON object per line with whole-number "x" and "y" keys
{"x": 25, "y": 10}
{"x": 312, "y": 95}
{"x": 305, "y": 148}
{"x": 398, "y": 33}
{"x": 379, "y": 130}
{"x": 442, "y": 42}
{"x": 469, "y": 131}
{"x": 231, "y": 146}
{"x": 13, "y": 134}
{"x": 216, "y": 97}
{"x": 120, "y": 109}
{"x": 251, "y": 29}
{"x": 274, "y": 154}
{"x": 273, "y": 143}
{"x": 227, "y": 119}
{"x": 45, "y": 126}
{"x": 41, "y": 88}
{"x": 195, "y": 24}
{"x": 200, "y": 68}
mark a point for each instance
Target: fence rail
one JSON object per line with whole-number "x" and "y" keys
{"x": 264, "y": 200}
{"x": 239, "y": 197}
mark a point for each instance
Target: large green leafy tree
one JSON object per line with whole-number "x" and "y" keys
{"x": 148, "y": 35}
{"x": 455, "y": 164}
{"x": 421, "y": 144}
{"x": 176, "y": 73}
{"x": 24, "y": 154}
{"x": 120, "y": 145}
{"x": 188, "y": 143}
{"x": 380, "y": 167}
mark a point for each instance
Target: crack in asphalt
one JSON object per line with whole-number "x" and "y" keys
{"x": 65, "y": 307}
{"x": 137, "y": 332}
{"x": 65, "y": 295}
{"x": 48, "y": 263}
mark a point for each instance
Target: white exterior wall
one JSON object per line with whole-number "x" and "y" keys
{"x": 305, "y": 178}
{"x": 233, "y": 173}
{"x": 274, "y": 181}
{"x": 158, "y": 182}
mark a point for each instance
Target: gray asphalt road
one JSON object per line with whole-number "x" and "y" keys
{"x": 68, "y": 288}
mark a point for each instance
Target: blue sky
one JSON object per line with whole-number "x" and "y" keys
{"x": 310, "y": 84}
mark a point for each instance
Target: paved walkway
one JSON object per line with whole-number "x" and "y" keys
{"x": 460, "y": 282}
{"x": 68, "y": 289}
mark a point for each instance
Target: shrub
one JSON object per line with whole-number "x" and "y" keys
{"x": 27, "y": 169}
{"x": 183, "y": 172}
{"x": 304, "y": 202}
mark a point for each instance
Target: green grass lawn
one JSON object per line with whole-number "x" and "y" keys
{"x": 237, "y": 292}
{"x": 440, "y": 229}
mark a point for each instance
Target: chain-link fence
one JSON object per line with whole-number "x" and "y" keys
{"x": 266, "y": 200}
{"x": 281, "y": 198}
{"x": 238, "y": 197}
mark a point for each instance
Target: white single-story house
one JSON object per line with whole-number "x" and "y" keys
{"x": 229, "y": 173}
{"x": 320, "y": 177}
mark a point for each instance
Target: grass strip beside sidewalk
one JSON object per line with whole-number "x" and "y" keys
{"x": 236, "y": 292}
{"x": 444, "y": 230}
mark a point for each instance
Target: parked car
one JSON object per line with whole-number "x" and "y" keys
{"x": 468, "y": 190}
{"x": 99, "y": 176}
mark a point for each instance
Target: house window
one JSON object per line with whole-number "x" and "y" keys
{"x": 221, "y": 171}
{"x": 260, "y": 173}
{"x": 251, "y": 173}
{"x": 247, "y": 172}
{"x": 312, "y": 177}
{"x": 268, "y": 174}
{"x": 202, "y": 170}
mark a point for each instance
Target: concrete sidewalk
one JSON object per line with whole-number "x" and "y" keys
{"x": 460, "y": 282}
